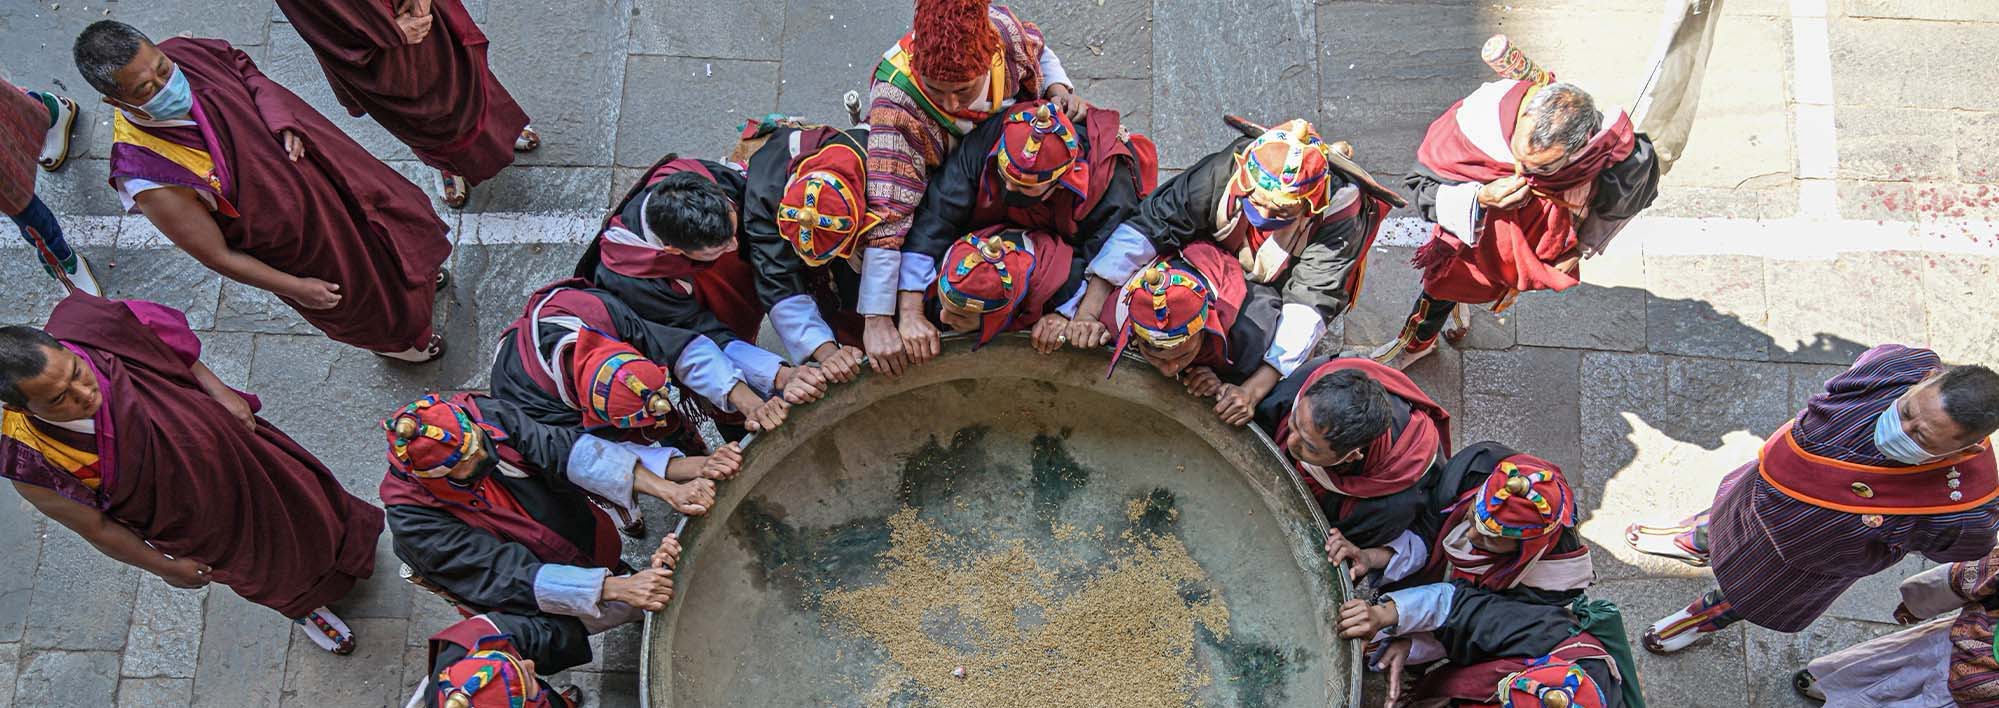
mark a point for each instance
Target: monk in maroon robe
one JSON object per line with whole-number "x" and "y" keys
{"x": 419, "y": 67}
{"x": 249, "y": 180}
{"x": 115, "y": 429}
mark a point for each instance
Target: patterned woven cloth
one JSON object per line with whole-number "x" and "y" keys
{"x": 24, "y": 121}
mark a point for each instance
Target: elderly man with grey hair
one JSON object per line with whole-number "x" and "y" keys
{"x": 1522, "y": 180}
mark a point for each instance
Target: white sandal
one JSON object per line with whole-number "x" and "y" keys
{"x": 326, "y": 630}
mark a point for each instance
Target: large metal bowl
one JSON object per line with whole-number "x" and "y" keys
{"x": 997, "y": 445}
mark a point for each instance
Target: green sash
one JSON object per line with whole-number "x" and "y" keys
{"x": 1603, "y": 620}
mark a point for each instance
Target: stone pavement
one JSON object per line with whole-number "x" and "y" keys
{"x": 1829, "y": 131}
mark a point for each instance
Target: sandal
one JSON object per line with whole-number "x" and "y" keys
{"x": 454, "y": 190}
{"x": 1678, "y": 542}
{"x": 529, "y": 141}
{"x": 432, "y": 349}
{"x": 573, "y": 695}
{"x": 326, "y": 630}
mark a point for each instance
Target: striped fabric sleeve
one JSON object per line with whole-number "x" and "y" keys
{"x": 902, "y": 145}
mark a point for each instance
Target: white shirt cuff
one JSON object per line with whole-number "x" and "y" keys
{"x": 1123, "y": 254}
{"x": 758, "y": 366}
{"x": 918, "y": 271}
{"x": 703, "y": 368}
{"x": 1411, "y": 554}
{"x": 1424, "y": 648}
{"x": 569, "y": 590}
{"x": 1422, "y": 608}
{"x": 880, "y": 268}
{"x": 799, "y": 326}
{"x": 1068, "y": 309}
{"x": 1299, "y": 329}
{"x": 1457, "y": 210}
{"x": 604, "y": 468}
{"x": 1052, "y": 72}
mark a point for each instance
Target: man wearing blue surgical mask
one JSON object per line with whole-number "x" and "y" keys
{"x": 255, "y": 184}
{"x": 1892, "y": 458}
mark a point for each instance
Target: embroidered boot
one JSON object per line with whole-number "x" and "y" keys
{"x": 1677, "y": 631}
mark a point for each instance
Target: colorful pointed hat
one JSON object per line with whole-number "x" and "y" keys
{"x": 1163, "y": 305}
{"x": 487, "y": 678}
{"x": 1286, "y": 165}
{"x": 824, "y": 210}
{"x": 617, "y": 386}
{"x": 1038, "y": 145}
{"x": 430, "y": 436}
{"x": 1550, "y": 683}
{"x": 1524, "y": 499}
{"x": 988, "y": 274}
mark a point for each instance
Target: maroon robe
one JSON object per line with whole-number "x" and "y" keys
{"x": 338, "y": 214}
{"x": 257, "y": 507}
{"x": 438, "y": 96}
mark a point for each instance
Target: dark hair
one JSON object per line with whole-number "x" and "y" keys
{"x": 1565, "y": 116}
{"x": 1352, "y": 408}
{"x": 689, "y": 212}
{"x": 23, "y": 355}
{"x": 105, "y": 47}
{"x": 1971, "y": 398}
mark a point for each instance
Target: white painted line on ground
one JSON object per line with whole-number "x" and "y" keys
{"x": 1795, "y": 238}
{"x": 1778, "y": 238}
{"x": 1816, "y": 133}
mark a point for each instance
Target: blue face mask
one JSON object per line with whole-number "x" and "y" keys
{"x": 174, "y": 101}
{"x": 1895, "y": 442}
{"x": 1260, "y": 222}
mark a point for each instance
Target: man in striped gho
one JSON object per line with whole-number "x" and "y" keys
{"x": 1891, "y": 459}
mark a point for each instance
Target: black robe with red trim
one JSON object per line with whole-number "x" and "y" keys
{"x": 718, "y": 300}
{"x": 1369, "y": 523}
{"x": 515, "y": 379}
{"x": 965, "y": 194}
{"x": 484, "y": 571}
{"x": 780, "y": 273}
{"x": 1324, "y": 276}
{"x": 1488, "y": 635}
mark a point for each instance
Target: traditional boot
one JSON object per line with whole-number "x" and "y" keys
{"x": 1707, "y": 615}
{"x": 1418, "y": 337}
{"x": 62, "y": 117}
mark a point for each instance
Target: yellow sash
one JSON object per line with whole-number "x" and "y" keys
{"x": 79, "y": 463}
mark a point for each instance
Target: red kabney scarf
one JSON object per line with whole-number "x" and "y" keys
{"x": 1516, "y": 246}
{"x": 1391, "y": 462}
